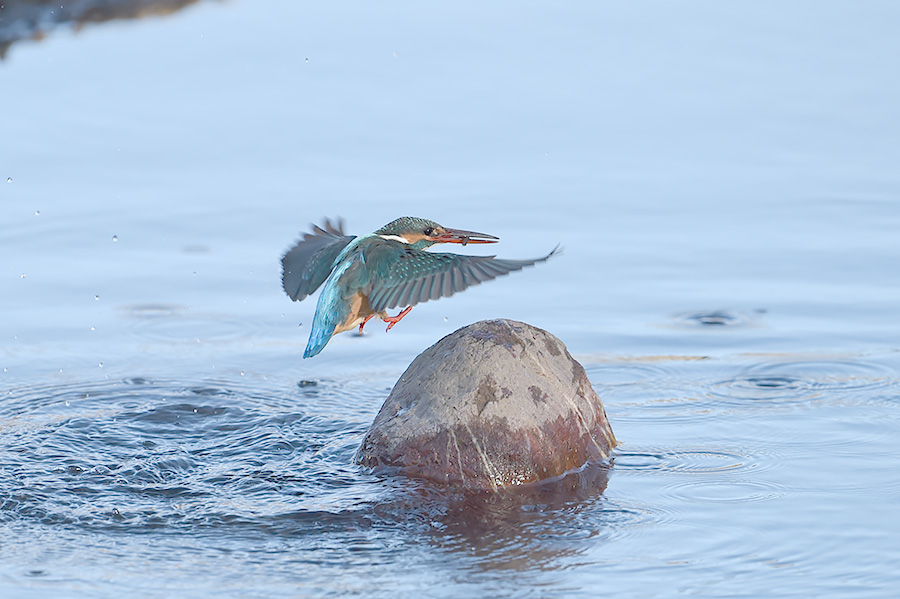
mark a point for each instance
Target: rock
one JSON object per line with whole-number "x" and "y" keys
{"x": 494, "y": 404}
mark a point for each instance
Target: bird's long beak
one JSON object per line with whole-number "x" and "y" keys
{"x": 464, "y": 237}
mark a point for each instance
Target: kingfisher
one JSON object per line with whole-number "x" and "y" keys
{"x": 368, "y": 275}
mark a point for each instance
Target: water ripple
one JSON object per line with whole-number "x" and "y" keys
{"x": 689, "y": 461}
{"x": 724, "y": 491}
{"x": 160, "y": 453}
{"x": 803, "y": 381}
{"x": 146, "y": 454}
{"x": 626, "y": 372}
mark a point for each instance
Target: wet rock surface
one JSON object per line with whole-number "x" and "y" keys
{"x": 495, "y": 404}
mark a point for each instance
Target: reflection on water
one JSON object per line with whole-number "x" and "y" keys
{"x": 33, "y": 19}
{"x": 713, "y": 318}
{"x": 219, "y": 460}
{"x": 235, "y": 465}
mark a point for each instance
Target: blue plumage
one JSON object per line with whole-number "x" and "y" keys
{"x": 365, "y": 276}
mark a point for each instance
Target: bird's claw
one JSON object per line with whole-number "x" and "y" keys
{"x": 392, "y": 320}
{"x": 363, "y": 323}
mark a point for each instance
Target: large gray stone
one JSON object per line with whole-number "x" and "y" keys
{"x": 494, "y": 404}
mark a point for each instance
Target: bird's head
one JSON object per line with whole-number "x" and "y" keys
{"x": 422, "y": 233}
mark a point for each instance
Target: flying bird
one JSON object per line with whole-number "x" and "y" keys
{"x": 368, "y": 275}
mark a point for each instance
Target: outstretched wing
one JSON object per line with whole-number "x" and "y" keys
{"x": 416, "y": 276}
{"x": 308, "y": 264}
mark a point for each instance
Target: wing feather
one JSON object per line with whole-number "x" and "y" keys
{"x": 447, "y": 284}
{"x": 408, "y": 276}
{"x": 416, "y": 291}
{"x": 393, "y": 298}
{"x": 306, "y": 265}
{"x": 436, "y": 284}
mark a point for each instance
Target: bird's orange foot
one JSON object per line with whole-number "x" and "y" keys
{"x": 363, "y": 323}
{"x": 392, "y": 320}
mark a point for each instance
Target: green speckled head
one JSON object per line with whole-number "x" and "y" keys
{"x": 422, "y": 233}
{"x": 418, "y": 232}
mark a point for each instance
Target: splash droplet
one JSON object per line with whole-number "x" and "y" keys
{"x": 23, "y": 275}
{"x": 9, "y": 179}
{"x": 37, "y": 212}
{"x": 115, "y": 238}
{"x": 100, "y": 365}
{"x": 96, "y": 298}
{"x": 92, "y": 328}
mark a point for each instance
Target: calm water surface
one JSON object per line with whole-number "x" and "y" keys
{"x": 723, "y": 180}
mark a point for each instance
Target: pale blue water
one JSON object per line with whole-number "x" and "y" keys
{"x": 724, "y": 181}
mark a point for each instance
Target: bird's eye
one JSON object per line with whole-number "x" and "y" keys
{"x": 429, "y": 231}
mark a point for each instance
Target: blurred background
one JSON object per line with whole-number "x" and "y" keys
{"x": 689, "y": 158}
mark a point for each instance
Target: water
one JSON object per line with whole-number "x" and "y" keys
{"x": 723, "y": 181}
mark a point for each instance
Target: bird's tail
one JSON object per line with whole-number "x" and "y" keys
{"x": 321, "y": 333}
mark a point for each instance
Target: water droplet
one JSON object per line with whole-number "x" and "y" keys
{"x": 115, "y": 238}
{"x": 100, "y": 365}
{"x": 307, "y": 60}
{"x": 67, "y": 403}
{"x": 195, "y": 273}
{"x": 23, "y": 275}
{"x": 96, "y": 298}
{"x": 445, "y": 319}
{"x": 92, "y": 328}
{"x": 9, "y": 179}
{"x": 37, "y": 212}
{"x": 242, "y": 373}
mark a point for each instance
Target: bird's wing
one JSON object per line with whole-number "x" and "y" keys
{"x": 413, "y": 276}
{"x": 308, "y": 264}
